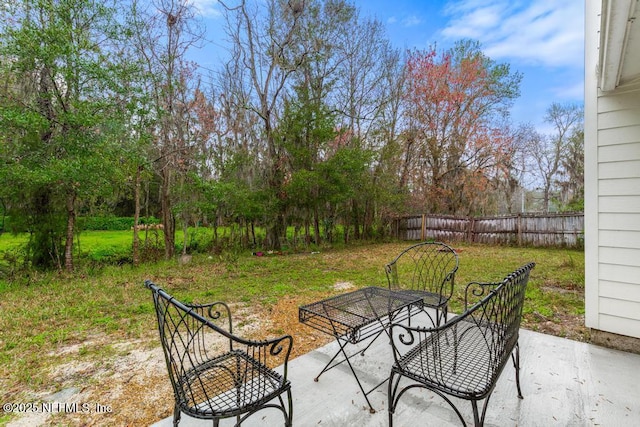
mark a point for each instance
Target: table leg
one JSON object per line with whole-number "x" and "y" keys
{"x": 346, "y": 359}
{"x": 327, "y": 367}
{"x": 342, "y": 343}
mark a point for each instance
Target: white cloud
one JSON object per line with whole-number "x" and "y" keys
{"x": 538, "y": 32}
{"x": 570, "y": 92}
{"x": 207, "y": 8}
{"x": 411, "y": 21}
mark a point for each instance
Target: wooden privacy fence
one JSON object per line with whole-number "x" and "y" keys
{"x": 565, "y": 229}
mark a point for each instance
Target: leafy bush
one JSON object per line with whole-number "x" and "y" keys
{"x": 112, "y": 223}
{"x": 111, "y": 256}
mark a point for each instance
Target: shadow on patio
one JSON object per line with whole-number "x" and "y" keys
{"x": 564, "y": 383}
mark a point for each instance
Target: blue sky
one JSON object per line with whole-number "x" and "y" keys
{"x": 542, "y": 39}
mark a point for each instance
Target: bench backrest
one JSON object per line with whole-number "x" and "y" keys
{"x": 426, "y": 266}
{"x": 498, "y": 314}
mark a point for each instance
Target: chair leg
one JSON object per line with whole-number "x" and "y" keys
{"x": 476, "y": 417}
{"x": 478, "y": 421}
{"x": 515, "y": 357}
{"x": 176, "y": 415}
{"x": 289, "y": 419}
{"x": 392, "y": 385}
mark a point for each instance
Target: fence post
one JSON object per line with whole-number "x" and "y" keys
{"x": 423, "y": 230}
{"x": 471, "y": 229}
{"x": 519, "y": 229}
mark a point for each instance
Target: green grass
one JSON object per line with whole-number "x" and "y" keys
{"x": 9, "y": 241}
{"x": 93, "y": 249}
{"x": 50, "y": 311}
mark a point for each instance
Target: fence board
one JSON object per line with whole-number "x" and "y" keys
{"x": 566, "y": 229}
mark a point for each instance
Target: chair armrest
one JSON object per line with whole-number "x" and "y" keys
{"x": 449, "y": 279}
{"x": 276, "y": 346}
{"x": 270, "y": 352}
{"x": 476, "y": 291}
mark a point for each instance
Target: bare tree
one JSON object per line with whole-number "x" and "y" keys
{"x": 366, "y": 53}
{"x": 262, "y": 48}
{"x": 571, "y": 179}
{"x": 515, "y": 169}
{"x": 370, "y": 78}
{"x": 165, "y": 31}
{"x": 549, "y": 151}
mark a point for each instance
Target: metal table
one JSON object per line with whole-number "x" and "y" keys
{"x": 356, "y": 316}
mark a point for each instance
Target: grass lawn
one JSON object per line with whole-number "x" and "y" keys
{"x": 92, "y": 312}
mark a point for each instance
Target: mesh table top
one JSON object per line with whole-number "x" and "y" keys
{"x": 356, "y": 314}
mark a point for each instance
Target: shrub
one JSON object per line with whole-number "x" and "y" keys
{"x": 111, "y": 223}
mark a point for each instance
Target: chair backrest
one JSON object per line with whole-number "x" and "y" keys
{"x": 189, "y": 338}
{"x": 426, "y": 266}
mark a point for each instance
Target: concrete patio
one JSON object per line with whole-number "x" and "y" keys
{"x": 564, "y": 382}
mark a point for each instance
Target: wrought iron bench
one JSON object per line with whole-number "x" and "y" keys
{"x": 426, "y": 270}
{"x": 236, "y": 381}
{"x": 464, "y": 357}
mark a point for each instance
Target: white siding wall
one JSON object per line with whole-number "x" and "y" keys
{"x": 612, "y": 195}
{"x": 618, "y": 213}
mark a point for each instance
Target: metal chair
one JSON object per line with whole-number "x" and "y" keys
{"x": 428, "y": 270}
{"x": 236, "y": 381}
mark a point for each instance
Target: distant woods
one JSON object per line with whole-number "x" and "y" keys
{"x": 314, "y": 122}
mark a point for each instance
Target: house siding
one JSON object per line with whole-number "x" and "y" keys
{"x": 617, "y": 165}
{"x": 612, "y": 192}
{"x": 619, "y": 325}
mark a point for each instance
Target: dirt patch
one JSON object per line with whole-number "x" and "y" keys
{"x": 561, "y": 325}
{"x": 563, "y": 322}
{"x": 343, "y": 286}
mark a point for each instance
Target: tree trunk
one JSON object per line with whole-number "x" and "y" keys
{"x": 274, "y": 232}
{"x": 545, "y": 201}
{"x": 136, "y": 218}
{"x": 356, "y": 219}
{"x": 168, "y": 222}
{"x": 368, "y": 216}
{"x": 71, "y": 223}
{"x": 185, "y": 234}
{"x": 253, "y": 234}
{"x": 316, "y": 225}
{"x": 276, "y": 176}
{"x": 215, "y": 231}
{"x": 307, "y": 230}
